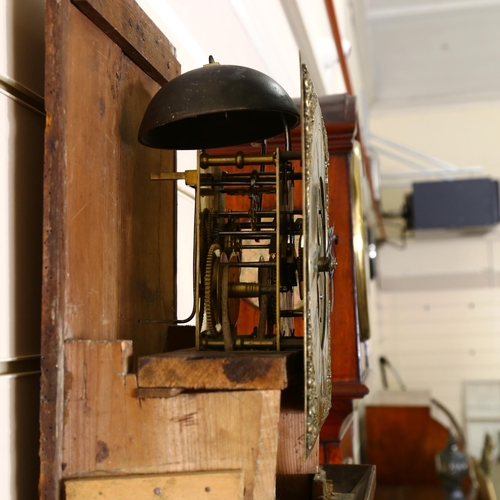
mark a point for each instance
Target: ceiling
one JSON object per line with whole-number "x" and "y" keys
{"x": 401, "y": 53}
{"x": 408, "y": 51}
{"x": 427, "y": 51}
{"x": 263, "y": 34}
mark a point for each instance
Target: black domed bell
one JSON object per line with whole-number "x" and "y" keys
{"x": 217, "y": 106}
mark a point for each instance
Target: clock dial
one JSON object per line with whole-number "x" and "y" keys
{"x": 318, "y": 263}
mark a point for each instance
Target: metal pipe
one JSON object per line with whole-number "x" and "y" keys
{"x": 425, "y": 173}
{"x": 249, "y": 234}
{"x": 291, "y": 313}
{"x": 347, "y": 80}
{"x": 243, "y": 182}
{"x": 239, "y": 160}
{"x": 249, "y": 290}
{"x": 407, "y": 161}
{"x": 404, "y": 149}
{"x": 20, "y": 366}
{"x": 261, "y": 214}
{"x": 21, "y": 94}
{"x": 288, "y": 141}
{"x": 270, "y": 264}
{"x": 247, "y": 342}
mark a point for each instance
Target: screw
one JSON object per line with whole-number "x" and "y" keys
{"x": 157, "y": 491}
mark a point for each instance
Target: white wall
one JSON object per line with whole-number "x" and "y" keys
{"x": 438, "y": 302}
{"x": 462, "y": 134}
{"x": 439, "y": 339}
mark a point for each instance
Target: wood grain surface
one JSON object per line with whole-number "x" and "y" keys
{"x": 109, "y": 233}
{"x": 132, "y": 30}
{"x": 224, "y": 485}
{"x": 214, "y": 370}
{"x": 294, "y": 472}
{"x": 109, "y": 431}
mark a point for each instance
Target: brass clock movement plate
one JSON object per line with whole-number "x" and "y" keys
{"x": 318, "y": 263}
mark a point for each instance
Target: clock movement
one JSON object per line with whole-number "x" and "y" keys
{"x": 262, "y": 229}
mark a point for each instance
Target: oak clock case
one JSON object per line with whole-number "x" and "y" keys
{"x": 287, "y": 246}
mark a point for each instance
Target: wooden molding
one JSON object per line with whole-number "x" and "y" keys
{"x": 223, "y": 485}
{"x": 214, "y": 370}
{"x": 349, "y": 390}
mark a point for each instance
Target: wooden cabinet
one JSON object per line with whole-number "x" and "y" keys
{"x": 349, "y": 316}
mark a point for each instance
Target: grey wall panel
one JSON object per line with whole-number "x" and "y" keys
{"x": 455, "y": 204}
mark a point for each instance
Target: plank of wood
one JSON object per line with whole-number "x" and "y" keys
{"x": 191, "y": 369}
{"x": 223, "y": 485}
{"x": 131, "y": 29}
{"x": 294, "y": 473}
{"x": 349, "y": 389}
{"x": 54, "y": 269}
{"x": 109, "y": 431}
{"x": 147, "y": 224}
{"x": 108, "y": 257}
{"x": 119, "y": 226}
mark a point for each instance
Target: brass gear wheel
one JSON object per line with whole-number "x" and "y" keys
{"x": 221, "y": 311}
{"x": 212, "y": 227}
{"x": 212, "y": 289}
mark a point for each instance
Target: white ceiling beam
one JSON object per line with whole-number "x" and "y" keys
{"x": 188, "y": 49}
{"x": 268, "y": 29}
{"x": 423, "y": 9}
{"x": 302, "y": 39}
{"x": 413, "y": 152}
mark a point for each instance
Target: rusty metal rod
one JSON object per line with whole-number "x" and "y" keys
{"x": 330, "y": 7}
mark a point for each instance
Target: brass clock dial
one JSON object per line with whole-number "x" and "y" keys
{"x": 318, "y": 263}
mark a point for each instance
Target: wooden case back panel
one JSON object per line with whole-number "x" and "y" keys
{"x": 344, "y": 338}
{"x": 109, "y": 232}
{"x": 119, "y": 227}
